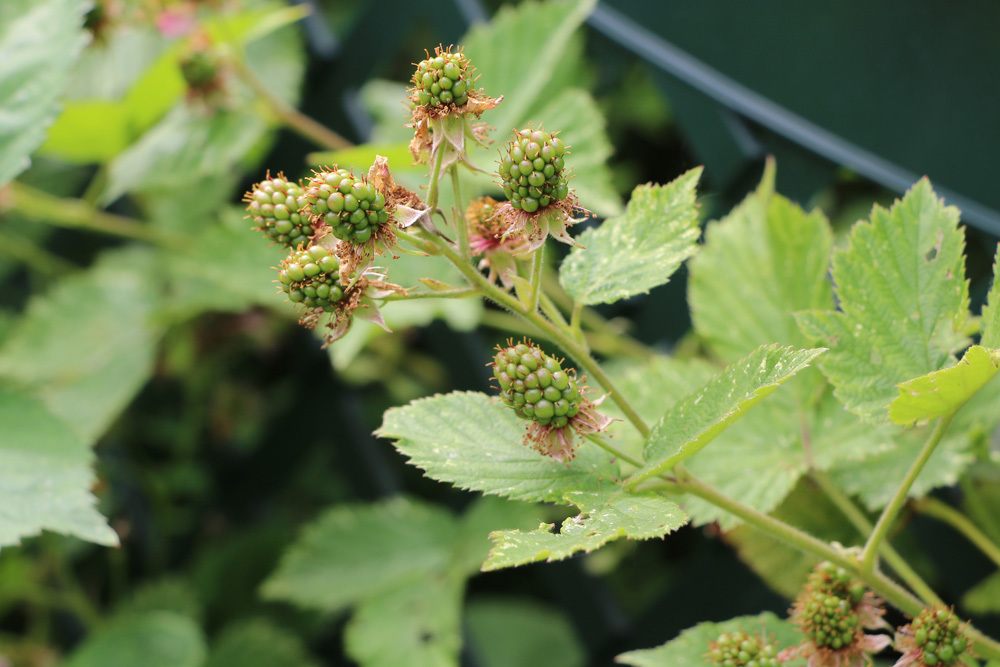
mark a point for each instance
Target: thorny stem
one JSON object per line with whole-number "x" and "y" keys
{"x": 933, "y": 507}
{"x": 432, "y": 189}
{"x": 40, "y": 206}
{"x": 864, "y": 527}
{"x": 291, "y": 117}
{"x": 535, "y": 279}
{"x": 457, "y": 293}
{"x": 870, "y": 554}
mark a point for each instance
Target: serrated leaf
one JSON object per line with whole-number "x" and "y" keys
{"x": 40, "y": 40}
{"x": 639, "y": 250}
{"x": 87, "y": 345}
{"x": 154, "y": 639}
{"x": 873, "y": 479}
{"x": 942, "y": 392}
{"x": 984, "y": 598}
{"x": 473, "y": 442}
{"x": 484, "y": 516}
{"x": 903, "y": 299}
{"x": 258, "y": 643}
{"x": 416, "y": 625}
{"x": 785, "y": 568}
{"x": 991, "y": 311}
{"x": 690, "y": 648}
{"x": 354, "y": 552}
{"x": 517, "y": 632}
{"x": 698, "y": 418}
{"x": 603, "y": 518}
{"x": 760, "y": 264}
{"x": 45, "y": 475}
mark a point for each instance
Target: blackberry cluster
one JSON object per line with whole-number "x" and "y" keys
{"x": 532, "y": 170}
{"x": 827, "y": 610}
{"x": 739, "y": 649}
{"x": 200, "y": 69}
{"x": 350, "y": 206}
{"x": 312, "y": 277}
{"x": 274, "y": 205}
{"x": 535, "y": 385}
{"x": 938, "y": 633}
{"x": 444, "y": 78}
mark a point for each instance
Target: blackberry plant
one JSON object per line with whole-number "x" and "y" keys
{"x": 275, "y": 206}
{"x": 532, "y": 170}
{"x": 535, "y": 385}
{"x": 312, "y": 278}
{"x": 353, "y": 208}
{"x": 444, "y": 78}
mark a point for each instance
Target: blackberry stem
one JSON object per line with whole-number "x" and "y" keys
{"x": 869, "y": 556}
{"x": 933, "y": 507}
{"x": 535, "y": 279}
{"x": 461, "y": 229}
{"x": 864, "y": 527}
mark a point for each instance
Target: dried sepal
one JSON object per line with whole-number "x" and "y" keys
{"x": 554, "y": 220}
{"x": 498, "y": 251}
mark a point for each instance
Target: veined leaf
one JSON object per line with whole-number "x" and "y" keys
{"x": 602, "y": 519}
{"x": 690, "y": 648}
{"x": 40, "y": 40}
{"x": 355, "y": 552}
{"x": 760, "y": 264}
{"x": 418, "y": 625}
{"x": 639, "y": 250}
{"x": 473, "y": 442}
{"x": 694, "y": 421}
{"x": 942, "y": 392}
{"x": 991, "y": 312}
{"x": 154, "y": 639}
{"x": 903, "y": 301}
{"x": 45, "y": 475}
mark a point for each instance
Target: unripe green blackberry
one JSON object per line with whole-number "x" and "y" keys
{"x": 200, "y": 69}
{"x": 532, "y": 170}
{"x": 312, "y": 277}
{"x": 834, "y": 580}
{"x": 940, "y": 637}
{"x": 444, "y": 78}
{"x": 829, "y": 621}
{"x": 352, "y": 207}
{"x": 275, "y": 206}
{"x": 535, "y": 385}
{"x": 739, "y": 649}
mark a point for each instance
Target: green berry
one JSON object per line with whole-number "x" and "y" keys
{"x": 276, "y": 208}
{"x": 532, "y": 171}
{"x": 740, "y": 649}
{"x": 201, "y": 69}
{"x": 312, "y": 277}
{"x": 525, "y": 376}
{"x": 442, "y": 79}
{"x": 826, "y": 610}
{"x": 350, "y": 206}
{"x": 940, "y": 637}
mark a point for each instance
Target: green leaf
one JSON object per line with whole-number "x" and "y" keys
{"x": 173, "y": 594}
{"x": 40, "y": 40}
{"x": 416, "y": 625}
{"x": 155, "y": 639}
{"x": 981, "y": 497}
{"x": 475, "y": 443}
{"x": 536, "y": 36}
{"x": 639, "y": 250}
{"x": 517, "y": 632}
{"x": 698, "y": 418}
{"x": 45, "y": 475}
{"x": 258, "y": 643}
{"x": 984, "y": 598}
{"x": 484, "y": 516}
{"x": 991, "y": 312}
{"x": 89, "y": 131}
{"x": 942, "y": 392}
{"x": 760, "y": 264}
{"x": 691, "y": 646}
{"x": 785, "y": 568}
{"x": 603, "y": 518}
{"x": 88, "y": 345}
{"x": 359, "y": 158}
{"x": 903, "y": 301}
{"x": 354, "y": 552}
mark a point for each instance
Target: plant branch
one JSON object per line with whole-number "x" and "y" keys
{"x": 933, "y": 507}
{"x": 461, "y": 230}
{"x": 40, "y": 206}
{"x": 535, "y": 279}
{"x": 864, "y": 527}
{"x": 614, "y": 451}
{"x": 288, "y": 115}
{"x": 457, "y": 293}
{"x": 432, "y": 189}
{"x": 870, "y": 554}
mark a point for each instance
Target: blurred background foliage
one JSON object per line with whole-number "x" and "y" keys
{"x": 221, "y": 427}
